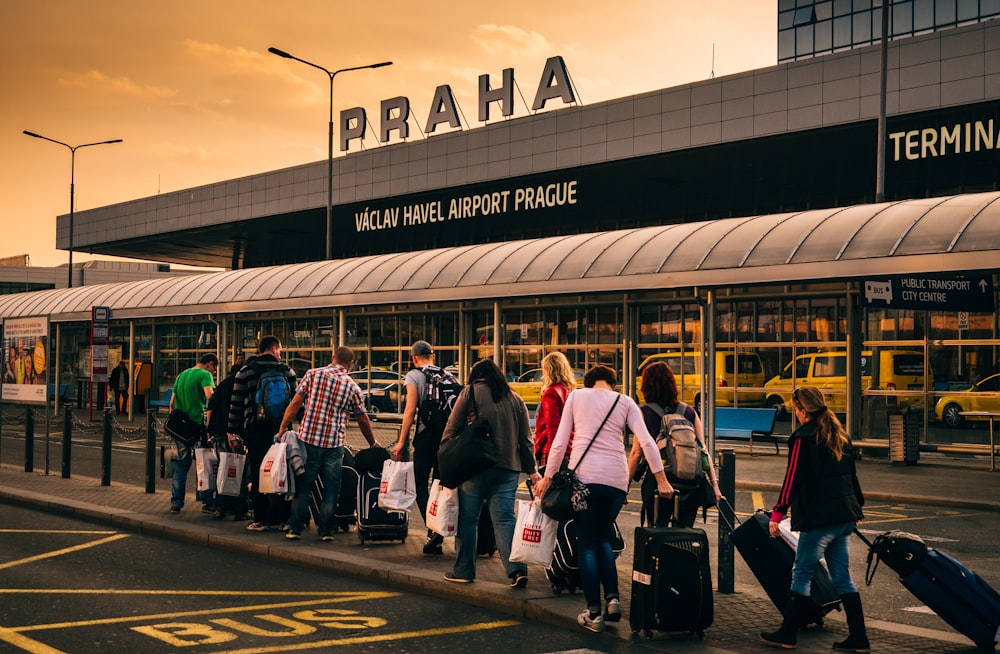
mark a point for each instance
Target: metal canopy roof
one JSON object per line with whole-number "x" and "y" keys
{"x": 954, "y": 233}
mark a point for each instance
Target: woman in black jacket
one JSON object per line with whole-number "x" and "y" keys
{"x": 821, "y": 489}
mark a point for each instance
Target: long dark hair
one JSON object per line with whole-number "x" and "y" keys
{"x": 830, "y": 433}
{"x": 489, "y": 373}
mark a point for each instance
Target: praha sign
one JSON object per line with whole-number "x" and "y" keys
{"x": 395, "y": 112}
{"x": 970, "y": 292}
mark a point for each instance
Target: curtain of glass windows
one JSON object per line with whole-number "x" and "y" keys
{"x": 807, "y": 28}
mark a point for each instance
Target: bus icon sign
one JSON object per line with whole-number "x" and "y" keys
{"x": 878, "y": 290}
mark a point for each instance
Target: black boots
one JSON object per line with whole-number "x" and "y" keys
{"x": 857, "y": 640}
{"x": 785, "y": 636}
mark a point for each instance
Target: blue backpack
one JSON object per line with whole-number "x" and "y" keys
{"x": 274, "y": 392}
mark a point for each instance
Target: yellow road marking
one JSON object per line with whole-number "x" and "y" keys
{"x": 758, "y": 500}
{"x": 27, "y": 644}
{"x": 377, "y": 638}
{"x": 344, "y": 597}
{"x": 67, "y": 550}
{"x": 56, "y": 531}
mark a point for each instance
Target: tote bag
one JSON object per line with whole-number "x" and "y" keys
{"x": 466, "y": 454}
{"x": 230, "y": 479}
{"x": 442, "y": 510}
{"x": 398, "y": 490}
{"x": 273, "y": 459}
{"x": 207, "y": 467}
{"x": 534, "y": 535}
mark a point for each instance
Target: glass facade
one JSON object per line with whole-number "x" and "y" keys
{"x": 807, "y": 28}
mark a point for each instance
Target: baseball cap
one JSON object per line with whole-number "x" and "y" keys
{"x": 421, "y": 349}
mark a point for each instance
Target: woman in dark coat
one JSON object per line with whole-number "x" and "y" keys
{"x": 821, "y": 489}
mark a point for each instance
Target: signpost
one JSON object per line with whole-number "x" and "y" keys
{"x": 972, "y": 292}
{"x": 99, "y": 319}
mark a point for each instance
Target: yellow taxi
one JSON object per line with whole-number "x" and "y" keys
{"x": 950, "y": 407}
{"x": 733, "y": 370}
{"x": 529, "y": 385}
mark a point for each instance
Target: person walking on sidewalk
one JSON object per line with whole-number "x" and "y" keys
{"x": 330, "y": 397}
{"x": 119, "y": 385}
{"x": 821, "y": 488}
{"x": 254, "y": 424}
{"x": 192, "y": 390}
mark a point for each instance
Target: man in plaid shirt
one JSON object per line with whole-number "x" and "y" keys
{"x": 330, "y": 397}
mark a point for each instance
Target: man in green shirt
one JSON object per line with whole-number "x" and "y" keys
{"x": 192, "y": 390}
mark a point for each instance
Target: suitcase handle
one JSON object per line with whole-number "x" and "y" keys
{"x": 677, "y": 509}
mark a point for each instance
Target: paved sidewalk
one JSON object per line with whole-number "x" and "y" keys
{"x": 738, "y": 616}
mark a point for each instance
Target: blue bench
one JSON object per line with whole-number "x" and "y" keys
{"x": 63, "y": 391}
{"x": 739, "y": 423}
{"x": 162, "y": 404}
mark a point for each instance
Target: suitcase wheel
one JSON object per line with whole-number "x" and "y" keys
{"x": 361, "y": 536}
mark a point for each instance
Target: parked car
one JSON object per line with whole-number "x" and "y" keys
{"x": 950, "y": 407}
{"x": 827, "y": 371}
{"x": 733, "y": 370}
{"x": 383, "y": 396}
{"x": 529, "y": 385}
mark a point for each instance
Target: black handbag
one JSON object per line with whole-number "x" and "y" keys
{"x": 566, "y": 494}
{"x": 183, "y": 429}
{"x": 466, "y": 454}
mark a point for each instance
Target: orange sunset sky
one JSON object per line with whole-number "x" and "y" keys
{"x": 191, "y": 89}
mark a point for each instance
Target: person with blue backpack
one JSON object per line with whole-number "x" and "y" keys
{"x": 262, "y": 391}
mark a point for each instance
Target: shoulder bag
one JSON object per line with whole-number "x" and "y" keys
{"x": 566, "y": 494}
{"x": 466, "y": 454}
{"x": 183, "y": 429}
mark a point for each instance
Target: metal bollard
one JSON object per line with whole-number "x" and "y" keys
{"x": 29, "y": 439}
{"x": 67, "y": 442}
{"x": 150, "y": 452}
{"x": 106, "y": 450}
{"x": 727, "y": 519}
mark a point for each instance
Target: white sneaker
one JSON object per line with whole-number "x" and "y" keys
{"x": 595, "y": 624}
{"x": 614, "y": 611}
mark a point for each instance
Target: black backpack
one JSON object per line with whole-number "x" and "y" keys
{"x": 439, "y": 398}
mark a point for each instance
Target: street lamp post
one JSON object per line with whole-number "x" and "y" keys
{"x": 329, "y": 159}
{"x": 72, "y": 174}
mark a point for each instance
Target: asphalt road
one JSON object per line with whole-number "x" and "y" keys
{"x": 71, "y": 586}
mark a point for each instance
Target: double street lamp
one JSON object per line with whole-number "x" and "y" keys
{"x": 329, "y": 160}
{"x": 72, "y": 173}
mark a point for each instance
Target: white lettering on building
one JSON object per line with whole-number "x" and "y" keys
{"x": 960, "y": 138}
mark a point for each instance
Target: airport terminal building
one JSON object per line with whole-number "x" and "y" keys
{"x": 733, "y": 214}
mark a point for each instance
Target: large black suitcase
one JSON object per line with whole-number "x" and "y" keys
{"x": 374, "y": 522}
{"x": 345, "y": 514}
{"x": 770, "y": 560}
{"x": 671, "y": 580}
{"x": 564, "y": 571}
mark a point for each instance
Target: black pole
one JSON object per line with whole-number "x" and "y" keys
{"x": 727, "y": 518}
{"x": 29, "y": 439}
{"x": 150, "y": 451}
{"x": 106, "y": 450}
{"x": 67, "y": 444}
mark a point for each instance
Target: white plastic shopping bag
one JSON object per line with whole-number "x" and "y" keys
{"x": 279, "y": 469}
{"x": 398, "y": 490}
{"x": 207, "y": 467}
{"x": 230, "y": 477}
{"x": 274, "y": 459}
{"x": 534, "y": 535}
{"x": 442, "y": 510}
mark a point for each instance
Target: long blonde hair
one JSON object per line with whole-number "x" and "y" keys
{"x": 830, "y": 433}
{"x": 556, "y": 369}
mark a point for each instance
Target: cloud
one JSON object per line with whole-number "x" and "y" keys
{"x": 98, "y": 81}
{"x": 509, "y": 41}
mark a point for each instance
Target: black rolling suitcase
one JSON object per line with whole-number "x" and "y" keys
{"x": 564, "y": 571}
{"x": 671, "y": 580}
{"x": 957, "y": 595}
{"x": 486, "y": 537}
{"x": 770, "y": 560}
{"x": 374, "y": 522}
{"x": 345, "y": 514}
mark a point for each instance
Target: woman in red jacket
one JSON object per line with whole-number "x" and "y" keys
{"x": 557, "y": 382}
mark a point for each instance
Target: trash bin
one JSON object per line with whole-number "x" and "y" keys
{"x": 904, "y": 438}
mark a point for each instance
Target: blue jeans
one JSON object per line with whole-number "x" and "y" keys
{"x": 178, "y": 484}
{"x": 327, "y": 463}
{"x": 832, "y": 543}
{"x": 594, "y": 528}
{"x": 498, "y": 487}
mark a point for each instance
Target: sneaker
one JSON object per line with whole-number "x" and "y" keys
{"x": 292, "y": 535}
{"x": 614, "y": 610}
{"x": 519, "y": 580}
{"x": 208, "y": 510}
{"x": 218, "y": 514}
{"x": 458, "y": 580}
{"x": 175, "y": 509}
{"x": 433, "y": 544}
{"x": 593, "y": 622}
{"x": 326, "y": 538}
{"x": 258, "y": 526}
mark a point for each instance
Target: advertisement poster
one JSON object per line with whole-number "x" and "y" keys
{"x": 25, "y": 346}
